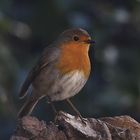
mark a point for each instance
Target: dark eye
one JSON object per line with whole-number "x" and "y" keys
{"x": 76, "y": 38}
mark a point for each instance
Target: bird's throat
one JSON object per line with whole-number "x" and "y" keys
{"x": 74, "y": 57}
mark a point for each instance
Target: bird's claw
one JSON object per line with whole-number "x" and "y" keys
{"x": 83, "y": 120}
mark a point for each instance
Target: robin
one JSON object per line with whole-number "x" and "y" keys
{"x": 61, "y": 72}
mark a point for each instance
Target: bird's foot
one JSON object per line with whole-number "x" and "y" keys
{"x": 83, "y": 120}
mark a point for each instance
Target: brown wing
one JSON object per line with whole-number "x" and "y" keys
{"x": 49, "y": 55}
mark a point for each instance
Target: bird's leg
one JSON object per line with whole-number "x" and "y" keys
{"x": 53, "y": 108}
{"x": 52, "y": 105}
{"x": 75, "y": 110}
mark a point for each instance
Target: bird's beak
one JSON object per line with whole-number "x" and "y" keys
{"x": 89, "y": 41}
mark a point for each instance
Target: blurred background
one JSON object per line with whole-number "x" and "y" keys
{"x": 26, "y": 27}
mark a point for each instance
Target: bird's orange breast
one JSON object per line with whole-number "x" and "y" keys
{"x": 74, "y": 57}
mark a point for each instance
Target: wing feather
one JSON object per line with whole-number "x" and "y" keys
{"x": 49, "y": 55}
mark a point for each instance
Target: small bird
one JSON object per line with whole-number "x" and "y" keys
{"x": 61, "y": 72}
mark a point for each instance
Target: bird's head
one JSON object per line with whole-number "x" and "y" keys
{"x": 76, "y": 36}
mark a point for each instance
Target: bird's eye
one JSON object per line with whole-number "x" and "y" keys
{"x": 76, "y": 38}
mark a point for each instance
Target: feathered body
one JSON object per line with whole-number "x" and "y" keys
{"x": 61, "y": 72}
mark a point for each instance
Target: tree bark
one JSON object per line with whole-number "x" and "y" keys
{"x": 68, "y": 127}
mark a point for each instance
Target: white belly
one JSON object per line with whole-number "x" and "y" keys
{"x": 67, "y": 86}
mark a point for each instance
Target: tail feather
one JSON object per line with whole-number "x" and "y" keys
{"x": 28, "y": 107}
